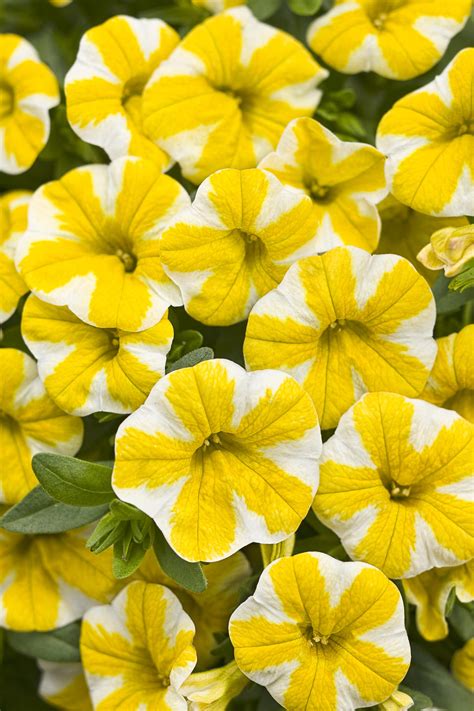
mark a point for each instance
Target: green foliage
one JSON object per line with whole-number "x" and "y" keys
{"x": 189, "y": 575}
{"x": 448, "y": 301}
{"x": 430, "y": 677}
{"x": 72, "y": 481}
{"x": 305, "y": 7}
{"x": 263, "y": 9}
{"x": 60, "y": 645}
{"x": 192, "y": 358}
{"x": 39, "y": 513}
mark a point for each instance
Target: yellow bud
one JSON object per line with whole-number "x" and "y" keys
{"x": 272, "y": 551}
{"x": 214, "y": 689}
{"x": 398, "y": 701}
{"x": 449, "y": 249}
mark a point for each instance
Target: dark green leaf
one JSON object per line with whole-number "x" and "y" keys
{"x": 420, "y": 701}
{"x": 427, "y": 675}
{"x": 39, "y": 513}
{"x": 106, "y": 533}
{"x": 74, "y": 481}
{"x": 191, "y": 359}
{"x": 126, "y": 512}
{"x": 19, "y": 678}
{"x": 305, "y": 7}
{"x": 349, "y": 123}
{"x": 124, "y": 567}
{"x": 60, "y": 645}
{"x": 461, "y": 619}
{"x": 448, "y": 300}
{"x": 263, "y": 9}
{"x": 189, "y": 575}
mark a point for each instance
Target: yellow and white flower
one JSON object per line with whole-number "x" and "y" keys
{"x": 209, "y": 610}
{"x": 345, "y": 323}
{"x": 48, "y": 581}
{"x": 30, "y": 422}
{"x": 105, "y": 84}
{"x": 138, "y": 651}
{"x": 220, "y": 458}
{"x": 63, "y": 686}
{"x": 398, "y": 39}
{"x": 343, "y": 179}
{"x": 87, "y": 369}
{"x": 428, "y": 136}
{"x": 235, "y": 243}
{"x": 450, "y": 249}
{"x": 213, "y": 690}
{"x": 226, "y": 93}
{"x": 406, "y": 232}
{"x": 462, "y": 665}
{"x": 451, "y": 382}
{"x": 93, "y": 243}
{"x": 397, "y": 486}
{"x": 13, "y": 222}
{"x": 322, "y": 634}
{"x": 430, "y": 592}
{"x": 28, "y": 89}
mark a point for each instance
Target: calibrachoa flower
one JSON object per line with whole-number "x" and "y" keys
{"x": 462, "y": 665}
{"x": 30, "y": 422}
{"x": 396, "y": 485}
{"x": 28, "y": 89}
{"x": 87, "y": 369}
{"x": 450, "y": 249}
{"x": 398, "y": 39}
{"x": 405, "y": 232}
{"x": 430, "y": 592}
{"x": 343, "y": 179}
{"x": 93, "y": 243}
{"x": 345, "y": 323}
{"x": 104, "y": 86}
{"x": 451, "y": 382}
{"x": 214, "y": 689}
{"x": 138, "y": 651}
{"x": 63, "y": 685}
{"x": 322, "y": 634}
{"x": 47, "y": 581}
{"x": 428, "y": 134}
{"x": 13, "y": 220}
{"x": 220, "y": 458}
{"x": 209, "y": 610}
{"x": 235, "y": 243}
{"x": 226, "y": 93}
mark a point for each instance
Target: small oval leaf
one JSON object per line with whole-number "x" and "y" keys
{"x": 73, "y": 481}
{"x": 189, "y": 575}
{"x": 192, "y": 358}
{"x": 60, "y": 645}
{"x": 39, "y": 513}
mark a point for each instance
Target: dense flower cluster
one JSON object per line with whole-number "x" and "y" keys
{"x": 276, "y": 520}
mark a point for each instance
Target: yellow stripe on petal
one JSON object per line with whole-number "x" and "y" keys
{"x": 230, "y": 456}
{"x": 13, "y": 223}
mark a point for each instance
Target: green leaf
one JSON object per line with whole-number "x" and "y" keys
{"x": 263, "y": 9}
{"x": 185, "y": 342}
{"x": 461, "y": 619}
{"x": 74, "y": 481}
{"x": 192, "y": 358}
{"x": 305, "y": 7}
{"x": 126, "y": 512}
{"x": 19, "y": 678}
{"x": 447, "y": 300}
{"x": 39, "y": 513}
{"x": 60, "y": 645}
{"x": 350, "y": 123}
{"x": 464, "y": 280}
{"x": 124, "y": 567}
{"x": 189, "y": 575}
{"x": 432, "y": 679}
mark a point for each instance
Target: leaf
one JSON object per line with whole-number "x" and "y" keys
{"x": 448, "y": 300}
{"x": 124, "y": 567}
{"x": 461, "y": 619}
{"x": 192, "y": 358}
{"x": 305, "y": 7}
{"x": 39, "y": 513}
{"x": 432, "y": 679}
{"x": 60, "y": 645}
{"x": 263, "y": 9}
{"x": 189, "y": 575}
{"x": 74, "y": 481}
{"x": 19, "y": 678}
{"x": 420, "y": 701}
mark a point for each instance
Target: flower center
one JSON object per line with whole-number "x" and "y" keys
{"x": 466, "y": 127}
{"x": 398, "y": 491}
{"x": 231, "y": 93}
{"x": 128, "y": 259}
{"x": 114, "y": 338}
{"x": 318, "y": 192}
{"x": 7, "y": 100}
{"x": 213, "y": 440}
{"x": 314, "y": 638}
{"x": 338, "y": 324}
{"x": 379, "y": 21}
{"x": 163, "y": 680}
